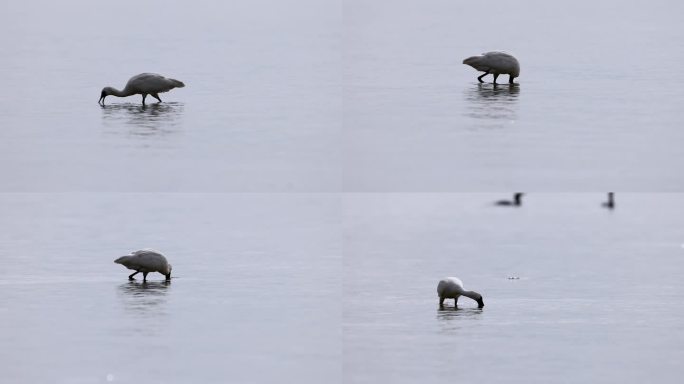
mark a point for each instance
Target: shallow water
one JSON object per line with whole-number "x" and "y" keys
{"x": 573, "y": 292}
{"x": 342, "y": 96}
{"x": 249, "y": 180}
{"x": 253, "y": 296}
{"x": 259, "y": 113}
{"x": 596, "y": 106}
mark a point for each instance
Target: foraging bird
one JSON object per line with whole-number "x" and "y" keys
{"x": 496, "y": 63}
{"x": 143, "y": 84}
{"x": 145, "y": 261}
{"x": 610, "y": 204}
{"x": 517, "y": 200}
{"x": 452, "y": 288}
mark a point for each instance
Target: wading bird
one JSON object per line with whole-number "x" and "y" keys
{"x": 143, "y": 84}
{"x": 610, "y": 204}
{"x": 145, "y": 261}
{"x": 452, "y": 288}
{"x": 496, "y": 63}
{"x": 516, "y": 202}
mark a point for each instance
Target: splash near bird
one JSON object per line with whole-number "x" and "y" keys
{"x": 143, "y": 84}
{"x": 496, "y": 63}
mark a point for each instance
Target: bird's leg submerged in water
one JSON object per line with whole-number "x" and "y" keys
{"x": 495, "y": 76}
{"x": 480, "y": 77}
{"x": 168, "y": 277}
{"x": 145, "y": 276}
{"x": 144, "y": 95}
{"x": 456, "y": 302}
{"x": 441, "y": 302}
{"x": 156, "y": 96}
{"x": 510, "y": 79}
{"x": 133, "y": 274}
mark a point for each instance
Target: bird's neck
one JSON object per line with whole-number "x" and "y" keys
{"x": 124, "y": 93}
{"x": 472, "y": 294}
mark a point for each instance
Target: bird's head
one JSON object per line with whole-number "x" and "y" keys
{"x": 480, "y": 303}
{"x": 123, "y": 260}
{"x": 168, "y": 273}
{"x": 106, "y": 91}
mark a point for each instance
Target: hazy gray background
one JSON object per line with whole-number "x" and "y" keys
{"x": 286, "y": 99}
{"x": 336, "y": 96}
{"x": 598, "y": 106}
{"x": 254, "y": 298}
{"x": 260, "y": 110}
{"x": 598, "y": 297}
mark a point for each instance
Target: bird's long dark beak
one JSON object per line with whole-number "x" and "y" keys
{"x": 101, "y": 101}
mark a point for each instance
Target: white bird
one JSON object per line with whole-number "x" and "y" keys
{"x": 143, "y": 84}
{"x": 517, "y": 200}
{"x": 610, "y": 204}
{"x": 496, "y": 63}
{"x": 145, "y": 261}
{"x": 452, "y": 288}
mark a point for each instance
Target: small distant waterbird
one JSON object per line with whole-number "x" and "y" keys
{"x": 146, "y": 261}
{"x": 496, "y": 63}
{"x": 452, "y": 288}
{"x": 143, "y": 84}
{"x": 516, "y": 202}
{"x": 610, "y": 204}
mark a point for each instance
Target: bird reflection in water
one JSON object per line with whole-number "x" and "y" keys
{"x": 145, "y": 298}
{"x": 495, "y": 104}
{"x": 452, "y": 318}
{"x": 143, "y": 120}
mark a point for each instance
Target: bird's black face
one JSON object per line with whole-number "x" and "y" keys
{"x": 102, "y": 97}
{"x": 480, "y": 303}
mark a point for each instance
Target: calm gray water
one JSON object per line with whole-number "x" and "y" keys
{"x": 342, "y": 96}
{"x": 598, "y": 297}
{"x": 597, "y": 106}
{"x": 260, "y": 110}
{"x": 251, "y": 179}
{"x": 254, "y": 298}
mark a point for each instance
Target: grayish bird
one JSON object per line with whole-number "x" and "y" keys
{"x": 143, "y": 84}
{"x": 517, "y": 200}
{"x": 610, "y": 204}
{"x": 146, "y": 261}
{"x": 452, "y": 288}
{"x": 496, "y": 63}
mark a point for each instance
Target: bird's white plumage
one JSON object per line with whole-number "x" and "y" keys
{"x": 146, "y": 260}
{"x": 452, "y": 288}
{"x": 152, "y": 83}
{"x": 143, "y": 84}
{"x": 496, "y": 63}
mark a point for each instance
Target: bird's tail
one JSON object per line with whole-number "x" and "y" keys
{"x": 177, "y": 83}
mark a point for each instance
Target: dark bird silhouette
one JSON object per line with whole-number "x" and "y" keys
{"x": 143, "y": 84}
{"x": 516, "y": 202}
{"x": 610, "y": 204}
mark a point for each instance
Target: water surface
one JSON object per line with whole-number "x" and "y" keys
{"x": 573, "y": 292}
{"x": 253, "y": 297}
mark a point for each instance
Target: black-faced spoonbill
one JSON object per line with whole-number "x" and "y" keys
{"x": 146, "y": 261}
{"x": 517, "y": 200}
{"x": 610, "y": 204}
{"x": 143, "y": 84}
{"x": 496, "y": 63}
{"x": 452, "y": 288}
